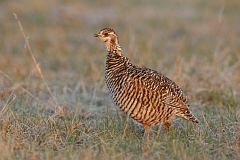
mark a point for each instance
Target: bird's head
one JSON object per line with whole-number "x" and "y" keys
{"x": 107, "y": 35}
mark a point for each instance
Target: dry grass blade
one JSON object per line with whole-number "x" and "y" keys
{"x": 16, "y": 87}
{"x": 37, "y": 66}
{"x": 10, "y": 100}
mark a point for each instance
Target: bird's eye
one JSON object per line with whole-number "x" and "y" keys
{"x": 105, "y": 34}
{"x": 187, "y": 111}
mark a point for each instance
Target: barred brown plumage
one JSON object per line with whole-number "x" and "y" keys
{"x": 145, "y": 95}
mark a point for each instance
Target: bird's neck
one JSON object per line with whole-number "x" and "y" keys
{"x": 113, "y": 47}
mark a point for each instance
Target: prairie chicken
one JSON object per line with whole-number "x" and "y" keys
{"x": 144, "y": 94}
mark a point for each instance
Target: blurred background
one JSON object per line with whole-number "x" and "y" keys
{"x": 195, "y": 43}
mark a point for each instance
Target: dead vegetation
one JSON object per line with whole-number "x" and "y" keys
{"x": 53, "y": 100}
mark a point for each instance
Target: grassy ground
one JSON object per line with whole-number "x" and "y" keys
{"x": 195, "y": 43}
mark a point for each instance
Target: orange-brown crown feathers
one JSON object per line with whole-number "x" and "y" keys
{"x": 107, "y": 35}
{"x": 105, "y": 32}
{"x": 110, "y": 38}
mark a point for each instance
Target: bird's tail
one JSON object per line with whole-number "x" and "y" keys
{"x": 189, "y": 116}
{"x": 193, "y": 119}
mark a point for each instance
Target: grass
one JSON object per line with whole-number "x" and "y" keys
{"x": 195, "y": 43}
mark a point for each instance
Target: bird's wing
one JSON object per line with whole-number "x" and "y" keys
{"x": 156, "y": 83}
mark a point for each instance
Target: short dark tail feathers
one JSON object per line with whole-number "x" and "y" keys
{"x": 193, "y": 119}
{"x": 189, "y": 116}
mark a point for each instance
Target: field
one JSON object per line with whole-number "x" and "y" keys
{"x": 58, "y": 107}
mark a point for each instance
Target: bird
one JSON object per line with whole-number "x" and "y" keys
{"x": 147, "y": 96}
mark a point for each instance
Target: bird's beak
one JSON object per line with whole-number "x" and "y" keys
{"x": 96, "y": 35}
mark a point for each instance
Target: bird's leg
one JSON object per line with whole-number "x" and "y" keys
{"x": 125, "y": 128}
{"x": 145, "y": 145}
{"x": 146, "y": 132}
{"x": 166, "y": 126}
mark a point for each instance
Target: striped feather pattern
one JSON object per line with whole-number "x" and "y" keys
{"x": 144, "y": 94}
